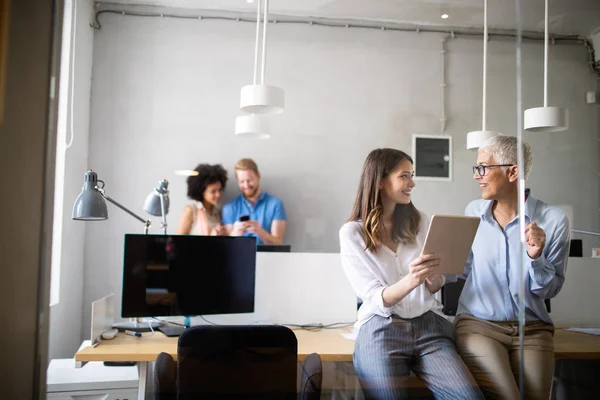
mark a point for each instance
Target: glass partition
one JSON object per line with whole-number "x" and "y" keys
{"x": 436, "y": 80}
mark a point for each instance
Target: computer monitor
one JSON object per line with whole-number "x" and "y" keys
{"x": 186, "y": 275}
{"x": 274, "y": 248}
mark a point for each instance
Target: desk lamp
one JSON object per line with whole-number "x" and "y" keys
{"x": 586, "y": 232}
{"x": 157, "y": 203}
{"x": 90, "y": 205}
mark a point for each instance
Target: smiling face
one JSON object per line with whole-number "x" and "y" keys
{"x": 248, "y": 182}
{"x": 497, "y": 181}
{"x": 212, "y": 193}
{"x": 398, "y": 184}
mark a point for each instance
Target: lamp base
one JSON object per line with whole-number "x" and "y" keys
{"x": 135, "y": 326}
{"x": 172, "y": 331}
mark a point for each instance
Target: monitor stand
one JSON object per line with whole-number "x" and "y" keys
{"x": 135, "y": 326}
{"x": 172, "y": 331}
{"x": 176, "y": 330}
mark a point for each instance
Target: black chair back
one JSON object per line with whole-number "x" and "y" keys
{"x": 233, "y": 361}
{"x": 450, "y": 294}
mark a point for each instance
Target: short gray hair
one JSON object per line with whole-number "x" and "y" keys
{"x": 504, "y": 151}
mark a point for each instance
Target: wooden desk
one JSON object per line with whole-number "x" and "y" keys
{"x": 574, "y": 345}
{"x": 329, "y": 344}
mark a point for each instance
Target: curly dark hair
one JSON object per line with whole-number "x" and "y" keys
{"x": 207, "y": 174}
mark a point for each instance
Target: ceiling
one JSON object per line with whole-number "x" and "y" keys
{"x": 566, "y": 16}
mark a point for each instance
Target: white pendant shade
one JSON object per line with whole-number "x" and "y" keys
{"x": 546, "y": 119}
{"x": 476, "y": 138}
{"x": 253, "y": 126}
{"x": 262, "y": 99}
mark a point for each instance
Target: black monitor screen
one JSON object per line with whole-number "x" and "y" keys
{"x": 274, "y": 248}
{"x": 169, "y": 275}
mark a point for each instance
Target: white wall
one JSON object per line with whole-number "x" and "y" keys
{"x": 165, "y": 95}
{"x": 577, "y": 303}
{"x": 287, "y": 292}
{"x": 65, "y": 317}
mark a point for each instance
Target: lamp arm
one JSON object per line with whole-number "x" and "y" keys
{"x": 586, "y": 232}
{"x": 128, "y": 211}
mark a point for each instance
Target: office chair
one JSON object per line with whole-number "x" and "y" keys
{"x": 450, "y": 294}
{"x": 575, "y": 379}
{"x": 237, "y": 361}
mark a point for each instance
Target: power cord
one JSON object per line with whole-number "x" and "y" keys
{"x": 151, "y": 328}
{"x": 210, "y": 322}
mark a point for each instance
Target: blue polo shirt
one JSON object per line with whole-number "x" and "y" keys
{"x": 267, "y": 209}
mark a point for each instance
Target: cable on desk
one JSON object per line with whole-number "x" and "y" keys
{"x": 168, "y": 322}
{"x": 212, "y": 323}
{"x": 308, "y": 327}
{"x": 151, "y": 328}
{"x": 178, "y": 324}
{"x": 319, "y": 327}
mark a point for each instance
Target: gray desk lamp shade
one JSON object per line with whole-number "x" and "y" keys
{"x": 157, "y": 202}
{"x": 90, "y": 205}
{"x": 154, "y": 201}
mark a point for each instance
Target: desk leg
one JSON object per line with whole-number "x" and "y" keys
{"x": 143, "y": 372}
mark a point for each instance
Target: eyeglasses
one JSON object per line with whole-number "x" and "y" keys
{"x": 482, "y": 169}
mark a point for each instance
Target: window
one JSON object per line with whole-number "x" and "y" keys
{"x": 63, "y": 123}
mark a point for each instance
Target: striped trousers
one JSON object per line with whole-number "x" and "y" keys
{"x": 388, "y": 349}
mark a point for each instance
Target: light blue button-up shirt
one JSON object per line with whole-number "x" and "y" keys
{"x": 492, "y": 270}
{"x": 267, "y": 209}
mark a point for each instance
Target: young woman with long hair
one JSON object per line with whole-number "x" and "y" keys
{"x": 400, "y": 323}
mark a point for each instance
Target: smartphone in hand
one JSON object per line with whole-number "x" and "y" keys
{"x": 244, "y": 218}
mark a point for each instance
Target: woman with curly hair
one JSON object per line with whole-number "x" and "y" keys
{"x": 202, "y": 216}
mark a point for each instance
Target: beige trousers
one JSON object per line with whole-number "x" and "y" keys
{"x": 491, "y": 351}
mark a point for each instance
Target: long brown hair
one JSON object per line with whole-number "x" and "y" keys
{"x": 368, "y": 207}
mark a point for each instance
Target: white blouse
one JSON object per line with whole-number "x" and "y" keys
{"x": 370, "y": 273}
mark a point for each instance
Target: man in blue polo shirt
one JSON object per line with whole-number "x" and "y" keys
{"x": 254, "y": 212}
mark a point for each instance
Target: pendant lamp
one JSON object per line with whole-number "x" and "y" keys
{"x": 260, "y": 98}
{"x": 546, "y": 119}
{"x": 476, "y": 138}
{"x": 253, "y": 126}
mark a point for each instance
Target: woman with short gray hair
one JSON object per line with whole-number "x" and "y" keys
{"x": 487, "y": 325}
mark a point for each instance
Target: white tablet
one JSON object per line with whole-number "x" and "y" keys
{"x": 450, "y": 238}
